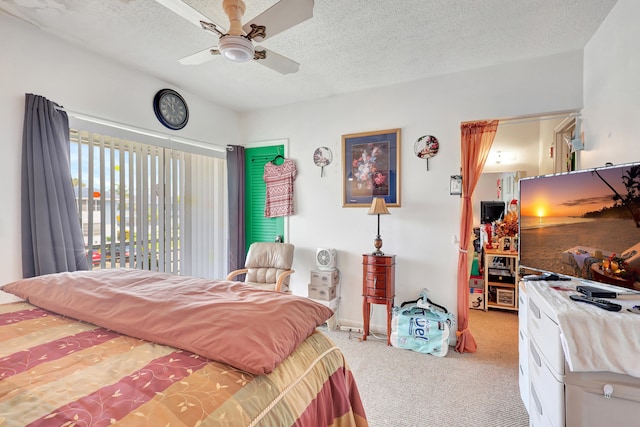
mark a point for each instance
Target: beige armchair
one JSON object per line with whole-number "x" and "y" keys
{"x": 268, "y": 266}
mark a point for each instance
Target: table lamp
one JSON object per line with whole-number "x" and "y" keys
{"x": 378, "y": 207}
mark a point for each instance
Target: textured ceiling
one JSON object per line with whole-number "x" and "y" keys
{"x": 347, "y": 46}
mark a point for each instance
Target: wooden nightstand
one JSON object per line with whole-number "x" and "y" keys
{"x": 378, "y": 287}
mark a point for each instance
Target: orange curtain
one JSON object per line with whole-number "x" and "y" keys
{"x": 476, "y": 141}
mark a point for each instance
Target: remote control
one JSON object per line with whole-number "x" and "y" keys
{"x": 602, "y": 303}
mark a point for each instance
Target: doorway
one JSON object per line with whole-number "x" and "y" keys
{"x": 525, "y": 147}
{"x": 522, "y": 147}
{"x": 258, "y": 228}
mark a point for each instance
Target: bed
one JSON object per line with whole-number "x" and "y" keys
{"x": 130, "y": 347}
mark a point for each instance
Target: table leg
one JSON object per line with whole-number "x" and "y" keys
{"x": 365, "y": 316}
{"x": 389, "y": 314}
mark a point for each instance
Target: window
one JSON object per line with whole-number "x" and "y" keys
{"x": 153, "y": 208}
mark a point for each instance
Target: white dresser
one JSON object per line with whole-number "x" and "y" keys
{"x": 553, "y": 394}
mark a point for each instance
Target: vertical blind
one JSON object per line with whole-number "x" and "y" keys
{"x": 148, "y": 207}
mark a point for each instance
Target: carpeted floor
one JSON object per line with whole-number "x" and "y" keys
{"x": 405, "y": 388}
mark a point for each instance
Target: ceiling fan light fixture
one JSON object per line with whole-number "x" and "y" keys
{"x": 236, "y": 48}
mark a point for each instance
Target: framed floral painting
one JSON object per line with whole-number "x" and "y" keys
{"x": 371, "y": 168}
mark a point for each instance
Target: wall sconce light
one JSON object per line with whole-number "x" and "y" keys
{"x": 378, "y": 207}
{"x": 500, "y": 157}
{"x": 455, "y": 185}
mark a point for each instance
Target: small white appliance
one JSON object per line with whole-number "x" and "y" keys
{"x": 326, "y": 259}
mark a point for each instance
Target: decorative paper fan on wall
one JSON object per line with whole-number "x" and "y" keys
{"x": 426, "y": 147}
{"x": 322, "y": 157}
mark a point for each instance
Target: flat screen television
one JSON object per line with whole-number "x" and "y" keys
{"x": 491, "y": 211}
{"x": 583, "y": 225}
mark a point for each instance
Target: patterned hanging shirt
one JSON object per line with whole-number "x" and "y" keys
{"x": 279, "y": 180}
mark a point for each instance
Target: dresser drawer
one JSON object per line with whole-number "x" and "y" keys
{"x": 546, "y": 334}
{"x": 523, "y": 367}
{"x": 522, "y": 307}
{"x": 547, "y": 392}
{"x": 537, "y": 415}
{"x": 588, "y": 405}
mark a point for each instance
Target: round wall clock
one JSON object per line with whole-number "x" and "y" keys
{"x": 171, "y": 109}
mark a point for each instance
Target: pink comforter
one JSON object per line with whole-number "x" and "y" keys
{"x": 253, "y": 330}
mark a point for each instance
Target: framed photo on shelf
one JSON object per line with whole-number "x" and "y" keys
{"x": 371, "y": 168}
{"x": 505, "y": 244}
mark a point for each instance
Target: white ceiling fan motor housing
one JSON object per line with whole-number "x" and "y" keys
{"x": 326, "y": 259}
{"x": 236, "y": 48}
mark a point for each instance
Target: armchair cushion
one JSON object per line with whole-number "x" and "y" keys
{"x": 264, "y": 274}
{"x": 271, "y": 255}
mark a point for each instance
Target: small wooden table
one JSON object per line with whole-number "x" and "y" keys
{"x": 378, "y": 287}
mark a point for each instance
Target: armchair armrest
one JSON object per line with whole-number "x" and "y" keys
{"x": 235, "y": 273}
{"x": 281, "y": 279}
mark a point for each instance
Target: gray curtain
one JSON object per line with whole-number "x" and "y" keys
{"x": 52, "y": 239}
{"x": 235, "y": 186}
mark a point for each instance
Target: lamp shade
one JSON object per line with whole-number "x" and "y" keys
{"x": 378, "y": 207}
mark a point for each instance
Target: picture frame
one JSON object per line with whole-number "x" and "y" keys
{"x": 505, "y": 244}
{"x": 455, "y": 185}
{"x": 371, "y": 168}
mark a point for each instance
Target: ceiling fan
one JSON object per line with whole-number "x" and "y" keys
{"x": 237, "y": 44}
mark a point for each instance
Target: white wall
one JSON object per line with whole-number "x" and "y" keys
{"x": 612, "y": 89}
{"x": 32, "y": 62}
{"x": 518, "y": 143}
{"x": 547, "y": 137}
{"x": 421, "y": 232}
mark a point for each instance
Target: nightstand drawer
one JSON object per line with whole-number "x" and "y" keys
{"x": 375, "y": 292}
{"x": 378, "y": 279}
{"x": 376, "y": 284}
{"x": 380, "y": 260}
{"x": 374, "y": 268}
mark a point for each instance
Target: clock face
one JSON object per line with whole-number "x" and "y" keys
{"x": 171, "y": 109}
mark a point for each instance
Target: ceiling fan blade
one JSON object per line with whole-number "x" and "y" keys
{"x": 199, "y": 57}
{"x": 276, "y": 62}
{"x": 182, "y": 9}
{"x": 279, "y": 17}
